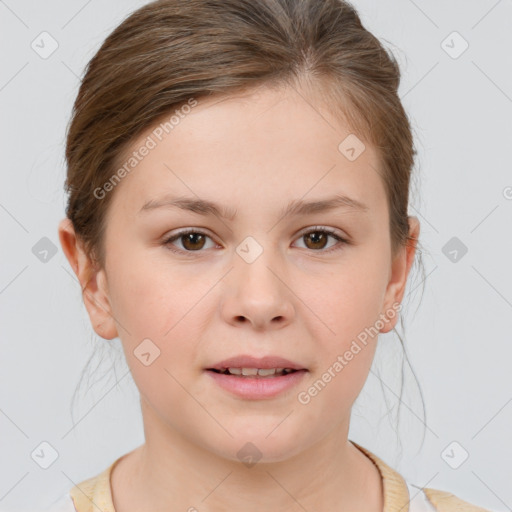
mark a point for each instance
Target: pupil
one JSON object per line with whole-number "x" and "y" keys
{"x": 191, "y": 237}
{"x": 317, "y": 236}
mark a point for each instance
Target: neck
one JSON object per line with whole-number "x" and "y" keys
{"x": 169, "y": 471}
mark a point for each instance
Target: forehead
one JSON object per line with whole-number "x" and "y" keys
{"x": 274, "y": 144}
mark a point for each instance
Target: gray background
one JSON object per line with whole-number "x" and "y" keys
{"x": 458, "y": 338}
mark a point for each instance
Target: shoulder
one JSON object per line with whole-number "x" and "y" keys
{"x": 445, "y": 501}
{"x": 436, "y": 500}
{"x": 92, "y": 494}
{"x": 418, "y": 501}
{"x": 399, "y": 494}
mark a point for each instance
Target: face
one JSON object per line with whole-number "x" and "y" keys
{"x": 254, "y": 282}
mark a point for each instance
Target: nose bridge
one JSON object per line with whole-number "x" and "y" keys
{"x": 256, "y": 263}
{"x": 257, "y": 292}
{"x": 250, "y": 249}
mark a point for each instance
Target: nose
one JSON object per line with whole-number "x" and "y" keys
{"x": 257, "y": 294}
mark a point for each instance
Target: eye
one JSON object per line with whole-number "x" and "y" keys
{"x": 192, "y": 241}
{"x": 318, "y": 236}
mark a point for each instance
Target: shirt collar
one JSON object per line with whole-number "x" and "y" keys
{"x": 96, "y": 493}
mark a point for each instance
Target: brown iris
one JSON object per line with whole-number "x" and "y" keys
{"x": 193, "y": 241}
{"x": 318, "y": 237}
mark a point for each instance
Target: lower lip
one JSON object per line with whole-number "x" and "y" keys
{"x": 257, "y": 388}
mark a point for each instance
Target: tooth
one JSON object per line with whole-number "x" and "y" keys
{"x": 249, "y": 371}
{"x": 262, "y": 372}
{"x": 266, "y": 371}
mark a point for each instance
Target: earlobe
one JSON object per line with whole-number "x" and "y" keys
{"x": 401, "y": 267}
{"x": 92, "y": 282}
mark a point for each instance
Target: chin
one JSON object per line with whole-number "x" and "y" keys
{"x": 254, "y": 445}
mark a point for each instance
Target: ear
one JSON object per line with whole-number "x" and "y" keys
{"x": 92, "y": 281}
{"x": 400, "y": 269}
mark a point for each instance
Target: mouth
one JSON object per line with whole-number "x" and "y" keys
{"x": 247, "y": 365}
{"x": 261, "y": 373}
{"x": 256, "y": 378}
{"x": 256, "y": 383}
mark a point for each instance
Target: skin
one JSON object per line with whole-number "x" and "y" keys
{"x": 254, "y": 153}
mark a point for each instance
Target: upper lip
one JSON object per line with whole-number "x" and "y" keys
{"x": 245, "y": 361}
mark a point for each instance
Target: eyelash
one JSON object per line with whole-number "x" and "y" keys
{"x": 342, "y": 241}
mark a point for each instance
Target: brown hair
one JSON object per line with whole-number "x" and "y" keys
{"x": 169, "y": 51}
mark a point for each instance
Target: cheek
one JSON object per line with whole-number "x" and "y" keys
{"x": 153, "y": 299}
{"x": 351, "y": 301}
{"x": 160, "y": 345}
{"x": 347, "y": 335}
{"x": 344, "y": 357}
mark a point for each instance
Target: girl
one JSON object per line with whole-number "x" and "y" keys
{"x": 238, "y": 179}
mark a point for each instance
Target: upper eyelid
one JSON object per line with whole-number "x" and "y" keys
{"x": 308, "y": 229}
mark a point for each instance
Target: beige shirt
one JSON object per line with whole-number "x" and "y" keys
{"x": 95, "y": 494}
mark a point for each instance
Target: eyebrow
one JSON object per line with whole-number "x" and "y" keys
{"x": 295, "y": 208}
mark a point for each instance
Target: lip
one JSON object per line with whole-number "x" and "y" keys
{"x": 257, "y": 388}
{"x": 246, "y": 361}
